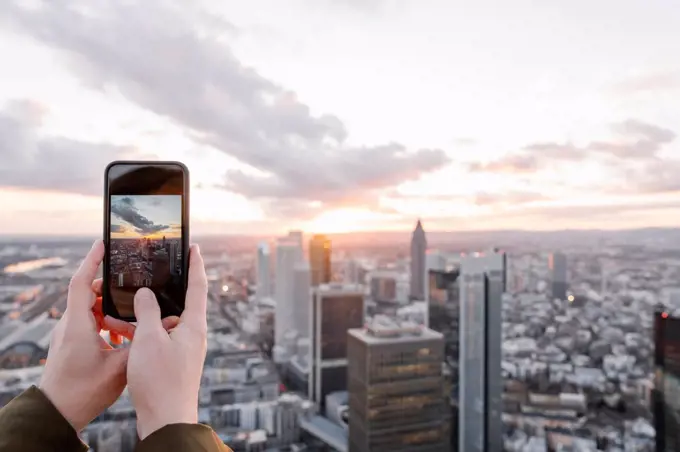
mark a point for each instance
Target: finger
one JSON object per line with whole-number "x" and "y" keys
{"x": 170, "y": 323}
{"x": 80, "y": 297}
{"x": 96, "y": 287}
{"x": 194, "y": 314}
{"x": 147, "y": 311}
{"x": 99, "y": 319}
{"x": 117, "y": 358}
{"x": 120, "y": 327}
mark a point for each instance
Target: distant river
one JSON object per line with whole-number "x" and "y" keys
{"x": 37, "y": 264}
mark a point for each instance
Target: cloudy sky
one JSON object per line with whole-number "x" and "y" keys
{"x": 340, "y": 115}
{"x": 151, "y": 216}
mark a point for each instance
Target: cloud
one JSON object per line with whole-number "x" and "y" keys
{"x": 179, "y": 68}
{"x": 509, "y": 198}
{"x": 118, "y": 228}
{"x": 126, "y": 211}
{"x": 563, "y": 216}
{"x": 30, "y": 160}
{"x": 661, "y": 81}
{"x": 640, "y": 141}
{"x": 512, "y": 163}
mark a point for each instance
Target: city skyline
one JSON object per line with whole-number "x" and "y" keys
{"x": 566, "y": 124}
{"x": 523, "y": 363}
{"x": 152, "y": 217}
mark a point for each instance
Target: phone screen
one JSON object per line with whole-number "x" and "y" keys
{"x": 147, "y": 235}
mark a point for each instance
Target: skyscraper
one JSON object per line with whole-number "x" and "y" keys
{"x": 301, "y": 298}
{"x": 286, "y": 258}
{"x": 666, "y": 393}
{"x": 434, "y": 260}
{"x": 383, "y": 285}
{"x": 443, "y": 316}
{"x": 351, "y": 272}
{"x": 482, "y": 283}
{"x": 558, "y": 269}
{"x": 418, "y": 262}
{"x": 336, "y": 308}
{"x": 297, "y": 237}
{"x": 320, "y": 259}
{"x": 264, "y": 284}
{"x": 173, "y": 250}
{"x": 396, "y": 389}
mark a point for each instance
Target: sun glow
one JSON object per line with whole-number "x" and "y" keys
{"x": 347, "y": 220}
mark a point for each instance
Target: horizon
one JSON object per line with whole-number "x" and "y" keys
{"x": 304, "y": 126}
{"x": 352, "y": 233}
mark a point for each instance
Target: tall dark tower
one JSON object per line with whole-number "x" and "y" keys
{"x": 418, "y": 250}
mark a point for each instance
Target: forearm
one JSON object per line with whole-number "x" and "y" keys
{"x": 182, "y": 438}
{"x": 31, "y": 423}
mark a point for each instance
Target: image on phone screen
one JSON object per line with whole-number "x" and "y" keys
{"x": 146, "y": 237}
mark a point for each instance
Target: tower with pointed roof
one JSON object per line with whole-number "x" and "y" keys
{"x": 418, "y": 266}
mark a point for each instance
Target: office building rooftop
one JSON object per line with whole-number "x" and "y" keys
{"x": 384, "y": 330}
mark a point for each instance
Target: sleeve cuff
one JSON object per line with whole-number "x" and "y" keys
{"x": 181, "y": 438}
{"x": 33, "y": 420}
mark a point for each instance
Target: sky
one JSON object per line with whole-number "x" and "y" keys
{"x": 346, "y": 115}
{"x": 148, "y": 216}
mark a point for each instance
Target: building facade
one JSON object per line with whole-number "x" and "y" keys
{"x": 666, "y": 393}
{"x": 301, "y": 298}
{"x": 559, "y": 279}
{"x": 320, "y": 259}
{"x": 418, "y": 262}
{"x": 482, "y": 283}
{"x": 286, "y": 259}
{"x": 262, "y": 267}
{"x": 397, "y": 394}
{"x": 335, "y": 309}
{"x": 443, "y": 316}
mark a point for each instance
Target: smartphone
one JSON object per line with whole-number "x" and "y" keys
{"x": 146, "y": 233}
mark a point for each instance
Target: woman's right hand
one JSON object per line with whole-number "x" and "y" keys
{"x": 164, "y": 369}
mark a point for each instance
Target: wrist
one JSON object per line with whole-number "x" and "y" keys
{"x": 64, "y": 407}
{"x": 148, "y": 424}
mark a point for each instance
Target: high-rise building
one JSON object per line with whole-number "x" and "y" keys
{"x": 666, "y": 393}
{"x": 297, "y": 237}
{"x": 320, "y": 259}
{"x": 160, "y": 269}
{"x": 336, "y": 308}
{"x": 558, "y": 269}
{"x": 174, "y": 251}
{"x": 286, "y": 258}
{"x": 351, "y": 272}
{"x": 383, "y": 285}
{"x": 443, "y": 316}
{"x": 397, "y": 399}
{"x": 301, "y": 297}
{"x": 482, "y": 283}
{"x": 264, "y": 284}
{"x": 418, "y": 262}
{"x": 434, "y": 260}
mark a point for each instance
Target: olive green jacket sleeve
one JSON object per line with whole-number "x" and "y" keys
{"x": 31, "y": 423}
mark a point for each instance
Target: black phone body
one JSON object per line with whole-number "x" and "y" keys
{"x": 146, "y": 235}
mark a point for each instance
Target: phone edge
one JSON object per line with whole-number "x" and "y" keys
{"x": 186, "y": 237}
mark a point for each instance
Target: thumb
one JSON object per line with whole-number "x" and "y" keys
{"x": 147, "y": 311}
